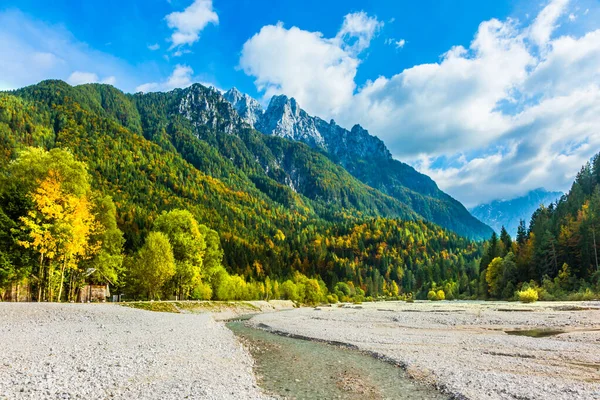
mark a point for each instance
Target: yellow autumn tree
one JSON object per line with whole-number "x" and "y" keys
{"x": 59, "y": 228}
{"x": 39, "y": 223}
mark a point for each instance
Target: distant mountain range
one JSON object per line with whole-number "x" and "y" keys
{"x": 364, "y": 156}
{"x": 508, "y": 213}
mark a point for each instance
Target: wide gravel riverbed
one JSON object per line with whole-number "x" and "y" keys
{"x": 103, "y": 351}
{"x": 462, "y": 347}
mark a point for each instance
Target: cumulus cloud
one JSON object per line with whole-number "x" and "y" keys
{"x": 188, "y": 24}
{"x": 546, "y": 21}
{"x": 516, "y": 109}
{"x": 154, "y": 47}
{"x": 180, "y": 78}
{"x": 317, "y": 71}
{"x": 80, "y": 77}
{"x": 358, "y": 30}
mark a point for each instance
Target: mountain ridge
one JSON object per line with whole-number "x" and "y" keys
{"x": 364, "y": 156}
{"x": 508, "y": 213}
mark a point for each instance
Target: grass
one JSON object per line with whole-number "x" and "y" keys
{"x": 190, "y": 306}
{"x": 157, "y": 306}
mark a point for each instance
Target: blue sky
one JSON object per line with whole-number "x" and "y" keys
{"x": 125, "y": 29}
{"x": 490, "y": 98}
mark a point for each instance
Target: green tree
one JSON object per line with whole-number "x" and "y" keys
{"x": 188, "y": 245}
{"x": 493, "y": 277}
{"x": 108, "y": 263}
{"x": 155, "y": 264}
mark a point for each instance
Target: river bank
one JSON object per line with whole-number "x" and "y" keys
{"x": 463, "y": 348}
{"x": 473, "y": 350}
{"x": 102, "y": 351}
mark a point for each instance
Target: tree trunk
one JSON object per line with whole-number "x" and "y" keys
{"x": 40, "y": 277}
{"x": 62, "y": 278}
{"x": 595, "y": 248}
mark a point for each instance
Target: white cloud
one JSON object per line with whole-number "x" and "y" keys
{"x": 109, "y": 80}
{"x": 515, "y": 110}
{"x": 31, "y": 51}
{"x": 188, "y": 24}
{"x": 572, "y": 17}
{"x": 317, "y": 71}
{"x": 450, "y": 105}
{"x": 180, "y": 78}
{"x": 154, "y": 47}
{"x": 397, "y": 43}
{"x": 546, "y": 21}
{"x": 357, "y": 31}
{"x": 80, "y": 78}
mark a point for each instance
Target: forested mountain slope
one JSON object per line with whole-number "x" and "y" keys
{"x": 364, "y": 156}
{"x": 558, "y": 255}
{"x": 278, "y": 205}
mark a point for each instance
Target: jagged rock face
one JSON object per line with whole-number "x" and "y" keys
{"x": 206, "y": 106}
{"x": 364, "y": 156}
{"x": 284, "y": 118}
{"x": 248, "y": 108}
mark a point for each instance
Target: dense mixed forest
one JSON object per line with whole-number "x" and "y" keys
{"x": 558, "y": 255}
{"x": 101, "y": 187}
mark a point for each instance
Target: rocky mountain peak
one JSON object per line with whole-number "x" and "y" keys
{"x": 206, "y": 106}
{"x": 247, "y": 107}
{"x": 285, "y": 118}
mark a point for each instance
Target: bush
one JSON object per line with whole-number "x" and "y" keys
{"x": 202, "y": 291}
{"x": 432, "y": 295}
{"x": 289, "y": 291}
{"x": 332, "y": 298}
{"x": 441, "y": 295}
{"x": 528, "y": 295}
{"x": 583, "y": 295}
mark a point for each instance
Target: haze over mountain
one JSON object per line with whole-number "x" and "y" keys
{"x": 508, "y": 213}
{"x": 365, "y": 156}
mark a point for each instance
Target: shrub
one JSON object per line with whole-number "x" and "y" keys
{"x": 432, "y": 295}
{"x": 202, "y": 291}
{"x": 528, "y": 295}
{"x": 582, "y": 295}
{"x": 332, "y": 298}
{"x": 289, "y": 290}
{"x": 441, "y": 295}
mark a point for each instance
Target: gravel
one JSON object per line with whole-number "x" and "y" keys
{"x": 462, "y": 347}
{"x": 103, "y": 351}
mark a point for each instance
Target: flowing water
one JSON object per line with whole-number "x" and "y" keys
{"x": 303, "y": 369}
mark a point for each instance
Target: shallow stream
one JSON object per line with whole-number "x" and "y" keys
{"x": 304, "y": 369}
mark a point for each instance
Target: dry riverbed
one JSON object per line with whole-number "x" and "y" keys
{"x": 104, "y": 351}
{"x": 464, "y": 348}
